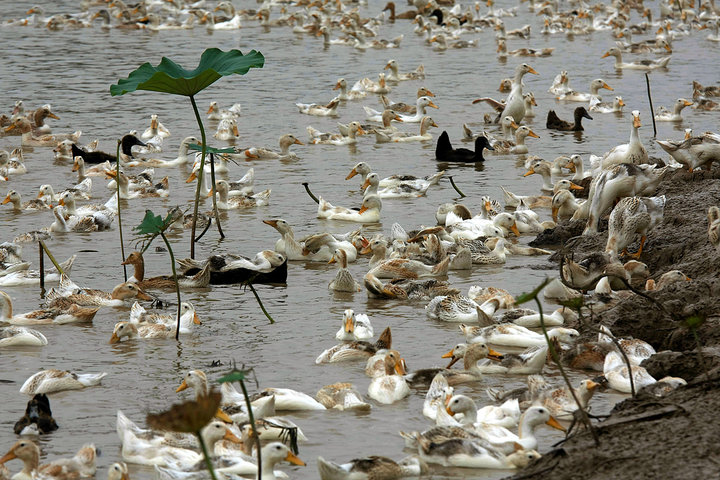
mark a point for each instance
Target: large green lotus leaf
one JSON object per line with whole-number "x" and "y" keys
{"x": 169, "y": 77}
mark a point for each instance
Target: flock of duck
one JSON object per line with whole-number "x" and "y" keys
{"x": 410, "y": 264}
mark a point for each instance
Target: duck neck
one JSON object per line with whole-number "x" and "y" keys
{"x": 285, "y": 148}
{"x": 525, "y": 428}
{"x": 379, "y": 255}
{"x": 579, "y": 172}
{"x": 635, "y": 136}
{"x": 139, "y": 274}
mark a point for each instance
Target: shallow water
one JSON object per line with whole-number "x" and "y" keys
{"x": 73, "y": 69}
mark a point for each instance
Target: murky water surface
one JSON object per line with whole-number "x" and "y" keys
{"x": 73, "y": 70}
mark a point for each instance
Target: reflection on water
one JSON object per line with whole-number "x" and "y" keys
{"x": 73, "y": 70}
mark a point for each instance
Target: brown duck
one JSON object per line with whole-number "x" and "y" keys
{"x": 555, "y": 123}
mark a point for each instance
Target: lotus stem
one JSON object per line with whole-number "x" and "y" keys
{"x": 262, "y": 307}
{"x": 50, "y": 256}
{"x": 255, "y": 435}
{"x": 177, "y": 285}
{"x": 42, "y": 270}
{"x": 214, "y": 199}
{"x": 117, "y": 185}
{"x": 556, "y": 359}
{"x": 199, "y": 176}
{"x": 208, "y": 463}
{"x": 652, "y": 110}
{"x": 452, "y": 182}
{"x": 307, "y": 189}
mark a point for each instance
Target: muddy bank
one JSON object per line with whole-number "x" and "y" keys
{"x": 677, "y": 436}
{"x": 647, "y": 437}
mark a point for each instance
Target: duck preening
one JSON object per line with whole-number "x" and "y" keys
{"x": 267, "y": 267}
{"x": 555, "y": 123}
{"x": 444, "y": 151}
{"x": 37, "y": 412}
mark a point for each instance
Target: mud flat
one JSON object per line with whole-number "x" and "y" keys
{"x": 678, "y": 435}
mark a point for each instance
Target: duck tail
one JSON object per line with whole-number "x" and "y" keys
{"x": 443, "y": 145}
{"x": 442, "y": 267}
{"x": 552, "y": 119}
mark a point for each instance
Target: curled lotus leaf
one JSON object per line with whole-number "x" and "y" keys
{"x": 169, "y": 77}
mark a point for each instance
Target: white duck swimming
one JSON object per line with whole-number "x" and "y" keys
{"x": 369, "y": 211}
{"x": 319, "y": 110}
{"x": 459, "y": 308}
{"x": 396, "y": 76}
{"x": 401, "y": 137}
{"x": 592, "y": 97}
{"x": 459, "y": 452}
{"x": 58, "y": 314}
{"x": 286, "y": 141}
{"x": 81, "y": 465}
{"x": 665, "y": 115}
{"x": 390, "y": 387}
{"x": 226, "y": 202}
{"x": 639, "y": 65}
{"x": 320, "y": 138}
{"x": 227, "y": 130}
{"x": 606, "y": 107}
{"x": 355, "y": 326}
{"x": 53, "y": 380}
{"x": 21, "y": 336}
{"x": 357, "y": 91}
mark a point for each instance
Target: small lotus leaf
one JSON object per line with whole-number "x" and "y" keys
{"x": 169, "y": 77}
{"x": 153, "y": 224}
{"x": 208, "y": 149}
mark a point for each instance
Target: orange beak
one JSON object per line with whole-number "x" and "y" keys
{"x": 532, "y": 70}
{"x": 352, "y": 173}
{"x": 555, "y": 424}
{"x": 292, "y": 458}
{"x": 575, "y": 186}
{"x": 363, "y": 209}
{"x": 365, "y": 184}
{"x": 529, "y": 172}
{"x": 607, "y": 54}
{"x": 431, "y": 104}
{"x": 605, "y": 85}
{"x": 143, "y": 296}
{"x": 493, "y": 355}
{"x": 514, "y": 229}
{"x": 249, "y": 154}
{"x": 113, "y": 339}
{"x": 272, "y": 223}
{"x": 533, "y": 134}
{"x": 191, "y": 178}
{"x": 212, "y": 107}
{"x": 196, "y": 319}
{"x": 7, "y": 200}
{"x": 182, "y": 387}
{"x": 555, "y": 214}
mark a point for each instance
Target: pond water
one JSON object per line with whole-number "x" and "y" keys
{"x": 73, "y": 70}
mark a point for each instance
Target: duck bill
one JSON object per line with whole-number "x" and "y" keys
{"x": 555, "y": 214}
{"x": 298, "y": 142}
{"x": 428, "y": 93}
{"x": 8, "y": 456}
{"x": 366, "y": 250}
{"x": 398, "y": 119}
{"x": 7, "y": 200}
{"x": 386, "y": 67}
{"x": 76, "y": 166}
{"x": 449, "y": 410}
{"x": 332, "y": 260}
{"x": 514, "y": 125}
{"x": 154, "y": 124}
{"x": 363, "y": 209}
{"x": 607, "y": 54}
{"x": 570, "y": 166}
{"x": 493, "y": 355}
{"x": 360, "y": 131}
{"x": 272, "y": 223}
{"x": 111, "y": 173}
{"x": 10, "y": 127}
{"x": 365, "y": 185}
{"x": 210, "y": 110}
{"x": 250, "y": 154}
{"x": 292, "y": 458}
{"x": 555, "y": 424}
{"x": 337, "y": 85}
{"x": 636, "y": 122}
{"x": 182, "y": 387}
{"x": 352, "y": 173}
{"x": 228, "y": 434}
{"x": 62, "y": 202}
{"x": 533, "y": 71}
{"x": 535, "y": 135}
{"x": 196, "y": 319}
{"x": 191, "y": 178}
{"x": 113, "y": 339}
{"x": 52, "y": 115}
{"x": 575, "y": 186}
{"x": 529, "y": 172}
{"x": 514, "y": 229}
{"x": 211, "y": 193}
{"x": 687, "y": 103}
{"x": 400, "y": 367}
{"x": 431, "y": 104}
{"x": 349, "y": 325}
{"x": 235, "y": 131}
{"x": 592, "y": 385}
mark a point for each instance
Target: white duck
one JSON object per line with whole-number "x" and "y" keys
{"x": 515, "y": 336}
{"x": 355, "y": 326}
{"x": 319, "y": 110}
{"x": 53, "y": 380}
{"x": 515, "y": 104}
{"x": 226, "y": 202}
{"x": 320, "y": 138}
{"x": 593, "y": 97}
{"x": 343, "y": 281}
{"x": 633, "y": 152}
{"x": 390, "y": 387}
{"x": 286, "y": 141}
{"x": 639, "y": 65}
{"x": 665, "y": 115}
{"x": 21, "y": 336}
{"x": 369, "y": 211}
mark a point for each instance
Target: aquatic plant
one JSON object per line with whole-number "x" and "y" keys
{"x": 150, "y": 227}
{"x": 169, "y": 77}
{"x": 190, "y": 417}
